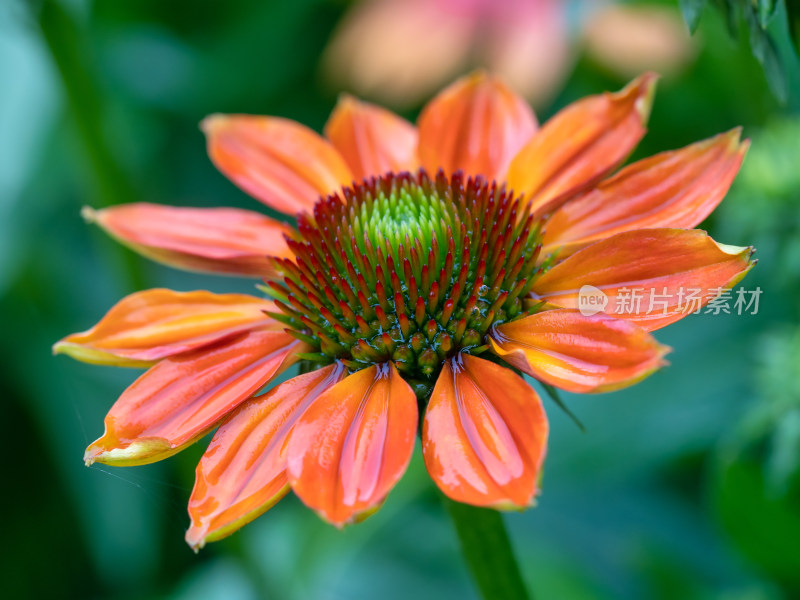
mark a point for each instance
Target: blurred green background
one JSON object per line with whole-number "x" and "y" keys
{"x": 685, "y": 486}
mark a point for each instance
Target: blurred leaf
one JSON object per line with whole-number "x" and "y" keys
{"x": 729, "y": 11}
{"x": 72, "y": 56}
{"x": 767, "y": 26}
{"x": 774, "y": 420}
{"x": 770, "y": 168}
{"x": 766, "y": 52}
{"x": 222, "y": 578}
{"x": 692, "y": 10}
{"x": 766, "y": 10}
{"x": 783, "y": 465}
{"x": 765, "y": 527}
{"x": 793, "y": 15}
{"x": 756, "y": 485}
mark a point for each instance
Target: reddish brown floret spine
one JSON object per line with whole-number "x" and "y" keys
{"x": 415, "y": 294}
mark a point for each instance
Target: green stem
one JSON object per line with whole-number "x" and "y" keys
{"x": 487, "y": 551}
{"x": 73, "y": 59}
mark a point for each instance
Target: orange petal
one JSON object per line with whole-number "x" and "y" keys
{"x": 371, "y": 139}
{"x": 581, "y": 144}
{"x": 353, "y": 444}
{"x": 217, "y": 240}
{"x": 147, "y": 326}
{"x": 182, "y": 398}
{"x": 672, "y": 189}
{"x": 484, "y": 434}
{"x": 477, "y": 125}
{"x": 579, "y": 353}
{"x": 282, "y": 163}
{"x": 243, "y": 472}
{"x": 651, "y": 276}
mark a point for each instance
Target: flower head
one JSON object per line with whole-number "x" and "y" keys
{"x": 429, "y": 268}
{"x": 404, "y": 269}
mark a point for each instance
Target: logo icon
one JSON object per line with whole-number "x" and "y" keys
{"x": 591, "y": 300}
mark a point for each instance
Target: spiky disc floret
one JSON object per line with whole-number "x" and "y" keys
{"x": 408, "y": 269}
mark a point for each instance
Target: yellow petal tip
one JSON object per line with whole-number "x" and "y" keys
{"x": 509, "y": 505}
{"x": 75, "y": 351}
{"x": 736, "y": 250}
{"x": 93, "y": 356}
{"x": 733, "y": 137}
{"x": 138, "y": 452}
{"x": 644, "y": 101}
{"x": 743, "y": 146}
{"x": 478, "y": 75}
{"x": 346, "y": 100}
{"x": 736, "y": 132}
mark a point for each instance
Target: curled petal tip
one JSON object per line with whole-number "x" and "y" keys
{"x": 138, "y": 452}
{"x": 661, "y": 362}
{"x": 90, "y": 455}
{"x": 212, "y": 123}
{"x": 354, "y": 519}
{"x": 340, "y": 525}
{"x": 89, "y": 214}
{"x": 735, "y": 142}
{"x": 196, "y": 538}
{"x": 68, "y": 348}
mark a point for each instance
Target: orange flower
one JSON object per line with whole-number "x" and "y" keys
{"x": 402, "y": 293}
